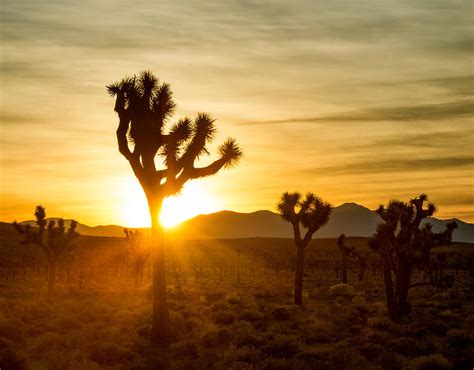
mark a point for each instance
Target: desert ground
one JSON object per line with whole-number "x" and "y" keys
{"x": 231, "y": 308}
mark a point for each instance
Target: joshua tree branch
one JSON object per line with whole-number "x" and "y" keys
{"x": 308, "y": 236}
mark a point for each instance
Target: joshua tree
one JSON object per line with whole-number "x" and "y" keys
{"x": 140, "y": 253}
{"x": 346, "y": 252}
{"x": 312, "y": 213}
{"x": 53, "y": 238}
{"x": 144, "y": 106}
{"x": 402, "y": 243}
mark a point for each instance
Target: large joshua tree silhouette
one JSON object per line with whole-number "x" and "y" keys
{"x": 144, "y": 106}
{"x": 403, "y": 242}
{"x": 52, "y": 237}
{"x": 312, "y": 213}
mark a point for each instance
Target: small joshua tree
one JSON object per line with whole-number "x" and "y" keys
{"x": 402, "y": 243}
{"x": 312, "y": 213}
{"x": 144, "y": 107}
{"x": 140, "y": 253}
{"x": 363, "y": 258}
{"x": 346, "y": 252}
{"x": 53, "y": 238}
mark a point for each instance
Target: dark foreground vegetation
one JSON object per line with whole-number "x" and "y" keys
{"x": 230, "y": 308}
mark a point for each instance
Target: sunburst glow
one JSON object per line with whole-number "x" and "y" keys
{"x": 194, "y": 199}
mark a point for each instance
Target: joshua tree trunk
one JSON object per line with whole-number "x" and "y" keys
{"x": 160, "y": 323}
{"x": 403, "y": 279}
{"x": 389, "y": 292}
{"x": 299, "y": 268}
{"x": 51, "y": 274}
{"x": 344, "y": 268}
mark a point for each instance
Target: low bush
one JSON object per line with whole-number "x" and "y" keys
{"x": 431, "y": 362}
{"x": 281, "y": 313}
{"x": 282, "y": 346}
{"x": 250, "y": 315}
{"x": 109, "y": 354}
{"x": 223, "y": 317}
{"x": 12, "y": 360}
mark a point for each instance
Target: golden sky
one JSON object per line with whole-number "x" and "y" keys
{"x": 356, "y": 101}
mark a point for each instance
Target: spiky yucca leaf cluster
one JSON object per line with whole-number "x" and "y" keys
{"x": 401, "y": 232}
{"x": 144, "y": 105}
{"x": 311, "y": 212}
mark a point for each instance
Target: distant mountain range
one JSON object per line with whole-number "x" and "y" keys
{"x": 349, "y": 218}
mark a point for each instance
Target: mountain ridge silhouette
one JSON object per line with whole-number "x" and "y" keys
{"x": 351, "y": 219}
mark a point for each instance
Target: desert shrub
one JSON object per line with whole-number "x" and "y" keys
{"x": 83, "y": 364}
{"x": 223, "y": 317}
{"x": 240, "y": 358}
{"x": 60, "y": 360}
{"x": 463, "y": 359}
{"x": 109, "y": 354}
{"x": 12, "y": 360}
{"x": 375, "y": 336}
{"x": 233, "y": 298}
{"x": 152, "y": 360}
{"x": 457, "y": 338}
{"x": 12, "y": 329}
{"x": 438, "y": 327}
{"x": 381, "y": 323}
{"x": 372, "y": 351}
{"x": 392, "y": 361}
{"x": 317, "y": 332}
{"x": 431, "y": 362}
{"x": 450, "y": 315}
{"x": 281, "y": 313}
{"x": 66, "y": 324}
{"x": 177, "y": 327}
{"x": 250, "y": 315}
{"x": 347, "y": 359}
{"x": 40, "y": 311}
{"x": 272, "y": 363}
{"x": 49, "y": 341}
{"x": 411, "y": 347}
{"x": 185, "y": 348}
{"x": 193, "y": 324}
{"x": 245, "y": 335}
{"x": 144, "y": 331}
{"x": 282, "y": 346}
{"x": 215, "y": 338}
{"x": 220, "y": 306}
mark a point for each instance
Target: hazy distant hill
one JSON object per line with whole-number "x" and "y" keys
{"x": 101, "y": 230}
{"x": 349, "y": 218}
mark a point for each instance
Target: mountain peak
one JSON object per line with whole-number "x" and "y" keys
{"x": 351, "y": 206}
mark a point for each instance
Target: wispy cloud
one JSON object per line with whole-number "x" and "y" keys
{"x": 424, "y": 112}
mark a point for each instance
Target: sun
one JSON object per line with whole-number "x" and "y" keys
{"x": 193, "y": 200}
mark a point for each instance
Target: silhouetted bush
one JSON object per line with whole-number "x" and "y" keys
{"x": 109, "y": 354}
{"x": 281, "y": 313}
{"x": 431, "y": 362}
{"x": 185, "y": 348}
{"x": 12, "y": 360}
{"x": 282, "y": 346}
{"x": 250, "y": 315}
{"x": 224, "y": 317}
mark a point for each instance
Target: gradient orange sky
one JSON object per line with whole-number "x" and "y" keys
{"x": 356, "y": 101}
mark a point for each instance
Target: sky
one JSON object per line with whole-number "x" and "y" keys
{"x": 355, "y": 101}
